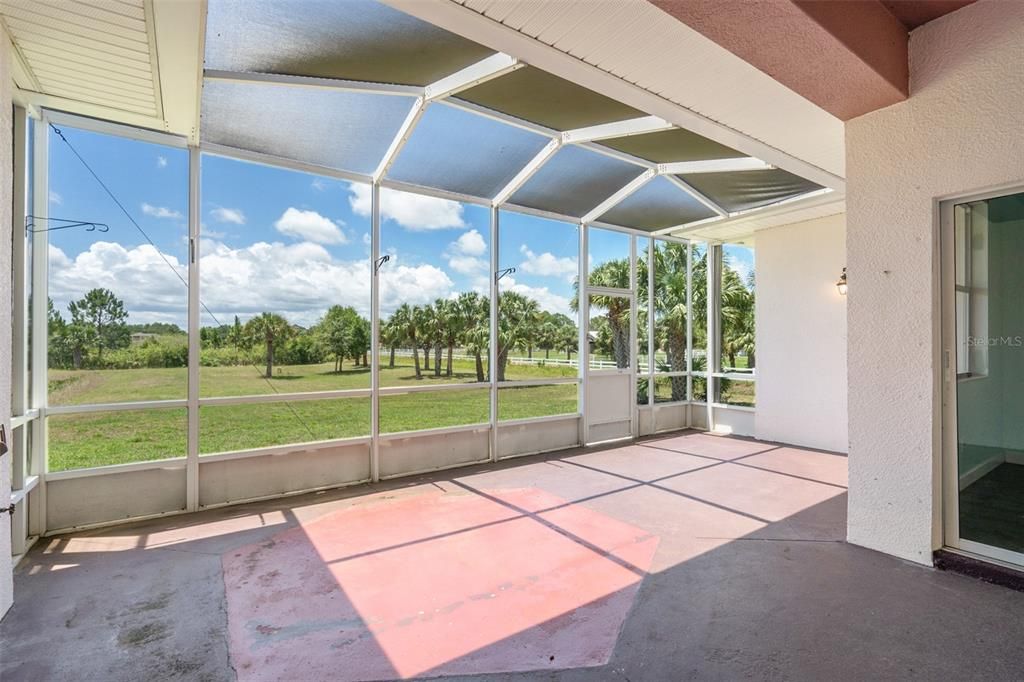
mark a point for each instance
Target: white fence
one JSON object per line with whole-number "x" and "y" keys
{"x": 536, "y": 361}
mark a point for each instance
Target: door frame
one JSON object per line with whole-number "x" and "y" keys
{"x": 583, "y": 292}
{"x": 947, "y": 377}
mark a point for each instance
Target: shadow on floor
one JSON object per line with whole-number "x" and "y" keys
{"x": 750, "y": 578}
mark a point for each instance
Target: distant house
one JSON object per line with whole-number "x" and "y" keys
{"x": 140, "y": 337}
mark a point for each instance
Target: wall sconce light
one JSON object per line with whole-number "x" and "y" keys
{"x": 841, "y": 284}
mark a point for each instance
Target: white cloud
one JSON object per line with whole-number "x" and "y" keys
{"x": 471, "y": 244}
{"x": 412, "y": 211}
{"x": 161, "y": 162}
{"x": 299, "y": 281}
{"x": 56, "y": 198}
{"x": 161, "y": 212}
{"x": 547, "y": 299}
{"x": 464, "y": 253}
{"x": 151, "y": 291}
{"x": 367, "y": 239}
{"x": 547, "y": 264}
{"x": 466, "y": 265}
{"x": 310, "y": 226}
{"x": 416, "y": 285}
{"x": 228, "y": 215}
{"x": 319, "y": 185}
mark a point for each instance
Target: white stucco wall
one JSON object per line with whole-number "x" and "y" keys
{"x": 6, "y": 121}
{"x": 801, "y": 334}
{"x": 960, "y": 131}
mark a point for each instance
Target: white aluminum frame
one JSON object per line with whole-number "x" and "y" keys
{"x": 194, "y": 222}
{"x": 495, "y": 66}
{"x": 190, "y": 462}
{"x": 495, "y": 328}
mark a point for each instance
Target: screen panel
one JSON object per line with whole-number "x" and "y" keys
{"x": 459, "y": 151}
{"x": 355, "y": 40}
{"x": 344, "y": 130}
{"x": 574, "y": 181}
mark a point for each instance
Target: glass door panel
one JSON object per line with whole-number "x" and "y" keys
{"x": 987, "y": 356}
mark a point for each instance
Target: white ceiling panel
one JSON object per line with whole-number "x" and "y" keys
{"x": 96, "y": 52}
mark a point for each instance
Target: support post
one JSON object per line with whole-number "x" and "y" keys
{"x": 583, "y": 352}
{"x": 634, "y": 414}
{"x": 494, "y": 341}
{"x": 650, "y": 325}
{"x": 38, "y": 398}
{"x": 689, "y": 332}
{"x": 375, "y": 333}
{"x": 19, "y": 298}
{"x": 714, "y": 256}
{"x": 192, "y": 455}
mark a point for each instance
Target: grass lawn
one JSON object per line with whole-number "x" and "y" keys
{"x": 739, "y": 393}
{"x": 97, "y": 439}
{"x": 81, "y": 387}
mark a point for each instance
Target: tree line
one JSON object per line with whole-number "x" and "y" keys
{"x": 97, "y": 334}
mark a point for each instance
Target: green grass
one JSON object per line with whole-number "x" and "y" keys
{"x": 82, "y": 387}
{"x": 740, "y": 393}
{"x": 98, "y": 439}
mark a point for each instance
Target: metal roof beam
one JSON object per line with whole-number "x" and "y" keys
{"x": 605, "y": 131}
{"x": 713, "y": 166}
{"x": 527, "y": 172}
{"x": 401, "y": 137}
{"x": 484, "y": 70}
{"x": 699, "y": 196}
{"x": 311, "y": 82}
{"x": 620, "y": 196}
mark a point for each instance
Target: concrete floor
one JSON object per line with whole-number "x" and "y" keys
{"x": 691, "y": 556}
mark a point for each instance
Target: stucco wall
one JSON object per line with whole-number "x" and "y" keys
{"x": 6, "y": 585}
{"x": 960, "y": 131}
{"x": 801, "y": 334}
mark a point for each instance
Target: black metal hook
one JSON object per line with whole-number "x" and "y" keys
{"x": 380, "y": 261}
{"x": 89, "y": 225}
{"x": 501, "y": 273}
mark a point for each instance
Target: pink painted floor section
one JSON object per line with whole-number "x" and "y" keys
{"x": 438, "y": 583}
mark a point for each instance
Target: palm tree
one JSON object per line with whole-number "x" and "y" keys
{"x": 476, "y": 329}
{"x": 737, "y": 316}
{"x": 451, "y": 323}
{"x": 516, "y": 321}
{"x": 568, "y": 339}
{"x": 391, "y": 335}
{"x": 670, "y": 309}
{"x": 422, "y": 317}
{"x": 614, "y": 273}
{"x": 404, "y": 319}
{"x": 547, "y": 334}
{"x": 271, "y": 329}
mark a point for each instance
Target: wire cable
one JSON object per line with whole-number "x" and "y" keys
{"x": 173, "y": 269}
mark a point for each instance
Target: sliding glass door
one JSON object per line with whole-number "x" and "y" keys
{"x": 983, "y": 365}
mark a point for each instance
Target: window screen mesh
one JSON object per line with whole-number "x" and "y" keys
{"x": 343, "y": 130}
{"x": 667, "y": 146}
{"x": 537, "y": 96}
{"x": 657, "y": 205}
{"x": 458, "y": 151}
{"x": 744, "y": 190}
{"x": 574, "y": 181}
{"x": 350, "y": 39}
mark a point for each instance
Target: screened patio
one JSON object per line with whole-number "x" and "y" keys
{"x": 388, "y": 107}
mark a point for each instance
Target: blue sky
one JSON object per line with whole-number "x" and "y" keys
{"x": 284, "y": 241}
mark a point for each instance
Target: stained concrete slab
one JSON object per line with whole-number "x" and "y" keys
{"x": 440, "y": 583}
{"x": 751, "y": 578}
